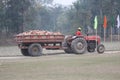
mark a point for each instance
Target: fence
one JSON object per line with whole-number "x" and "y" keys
{"x": 112, "y": 42}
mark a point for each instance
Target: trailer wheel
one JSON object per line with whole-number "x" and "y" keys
{"x": 35, "y": 49}
{"x": 68, "y": 49}
{"x": 100, "y": 48}
{"x": 79, "y": 45}
{"x": 25, "y": 52}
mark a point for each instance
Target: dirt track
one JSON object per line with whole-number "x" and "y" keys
{"x": 57, "y": 65}
{"x": 13, "y": 52}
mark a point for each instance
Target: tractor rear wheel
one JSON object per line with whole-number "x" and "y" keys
{"x": 100, "y": 48}
{"x": 79, "y": 45}
{"x": 35, "y": 49}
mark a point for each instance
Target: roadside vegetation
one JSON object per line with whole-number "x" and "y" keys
{"x": 44, "y": 15}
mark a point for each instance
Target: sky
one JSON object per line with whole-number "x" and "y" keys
{"x": 64, "y": 2}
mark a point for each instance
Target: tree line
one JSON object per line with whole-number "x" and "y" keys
{"x": 21, "y": 15}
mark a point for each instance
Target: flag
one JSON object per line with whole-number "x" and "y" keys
{"x": 112, "y": 21}
{"x": 118, "y": 21}
{"x": 95, "y": 22}
{"x": 105, "y": 22}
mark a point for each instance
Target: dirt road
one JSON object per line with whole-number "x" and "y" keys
{"x": 60, "y": 66}
{"x": 57, "y": 65}
{"x": 13, "y": 52}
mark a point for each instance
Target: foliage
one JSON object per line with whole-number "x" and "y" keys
{"x": 21, "y": 15}
{"x": 12, "y": 12}
{"x": 86, "y": 10}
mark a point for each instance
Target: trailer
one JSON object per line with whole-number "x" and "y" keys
{"x": 32, "y": 45}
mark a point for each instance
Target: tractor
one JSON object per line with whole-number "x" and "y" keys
{"x": 81, "y": 44}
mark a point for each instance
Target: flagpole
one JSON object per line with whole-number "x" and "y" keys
{"x": 95, "y": 27}
{"x": 104, "y": 34}
{"x": 118, "y": 34}
{"x": 105, "y": 26}
{"x": 111, "y": 34}
{"x": 96, "y": 38}
{"x": 118, "y": 26}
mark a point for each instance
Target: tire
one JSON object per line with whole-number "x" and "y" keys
{"x": 91, "y": 49}
{"x": 25, "y": 52}
{"x": 68, "y": 50}
{"x": 35, "y": 49}
{"x": 79, "y": 45}
{"x": 100, "y": 48}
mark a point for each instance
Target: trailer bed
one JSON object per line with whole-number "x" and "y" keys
{"x": 39, "y": 38}
{"x": 32, "y": 42}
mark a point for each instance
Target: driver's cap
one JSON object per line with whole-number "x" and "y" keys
{"x": 79, "y": 28}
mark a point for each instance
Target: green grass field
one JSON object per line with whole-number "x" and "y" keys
{"x": 62, "y": 67}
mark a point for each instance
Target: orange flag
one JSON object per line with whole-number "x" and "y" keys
{"x": 105, "y": 22}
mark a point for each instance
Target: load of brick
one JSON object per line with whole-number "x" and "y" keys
{"x": 38, "y": 32}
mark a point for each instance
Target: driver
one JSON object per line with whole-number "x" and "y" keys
{"x": 78, "y": 32}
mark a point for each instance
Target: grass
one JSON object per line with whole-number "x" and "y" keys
{"x": 62, "y": 67}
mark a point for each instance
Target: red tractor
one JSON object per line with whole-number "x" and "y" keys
{"x": 81, "y": 44}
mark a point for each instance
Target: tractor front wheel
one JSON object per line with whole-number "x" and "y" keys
{"x": 100, "y": 48}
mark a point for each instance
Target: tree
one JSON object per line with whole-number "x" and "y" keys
{"x": 15, "y": 14}
{"x": 82, "y": 13}
{"x": 1, "y": 16}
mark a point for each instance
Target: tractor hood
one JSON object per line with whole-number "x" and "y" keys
{"x": 96, "y": 38}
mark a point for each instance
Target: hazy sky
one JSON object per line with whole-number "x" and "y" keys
{"x": 64, "y": 2}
